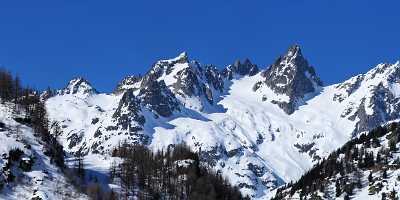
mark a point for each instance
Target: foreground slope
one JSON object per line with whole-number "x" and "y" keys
{"x": 25, "y": 171}
{"x": 259, "y": 128}
{"x": 366, "y": 167}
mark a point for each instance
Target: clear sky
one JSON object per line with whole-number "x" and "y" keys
{"x": 49, "y": 42}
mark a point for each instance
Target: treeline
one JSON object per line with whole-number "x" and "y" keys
{"x": 344, "y": 168}
{"x": 173, "y": 174}
{"x": 28, "y": 101}
{"x": 10, "y": 87}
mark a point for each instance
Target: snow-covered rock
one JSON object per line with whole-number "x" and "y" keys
{"x": 291, "y": 75}
{"x": 79, "y": 87}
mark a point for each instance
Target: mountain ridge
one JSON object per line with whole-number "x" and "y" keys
{"x": 230, "y": 116}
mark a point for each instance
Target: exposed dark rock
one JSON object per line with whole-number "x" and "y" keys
{"x": 304, "y": 148}
{"x": 234, "y": 152}
{"x": 293, "y": 76}
{"x": 97, "y": 133}
{"x": 158, "y": 97}
{"x": 74, "y": 139}
{"x": 212, "y": 156}
{"x": 257, "y": 170}
{"x": 209, "y": 95}
{"x": 349, "y": 87}
{"x": 128, "y": 83}
{"x": 128, "y": 114}
{"x": 95, "y": 120}
{"x": 187, "y": 83}
{"x": 245, "y": 68}
{"x": 384, "y": 106}
{"x": 214, "y": 78}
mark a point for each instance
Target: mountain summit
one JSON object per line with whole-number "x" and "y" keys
{"x": 80, "y": 87}
{"x": 293, "y": 76}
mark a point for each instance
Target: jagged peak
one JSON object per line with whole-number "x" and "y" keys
{"x": 241, "y": 68}
{"x": 294, "y": 51}
{"x": 166, "y": 66}
{"x": 79, "y": 86}
{"x": 292, "y": 75}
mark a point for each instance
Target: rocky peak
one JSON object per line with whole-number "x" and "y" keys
{"x": 293, "y": 76}
{"x": 166, "y": 67}
{"x": 79, "y": 86}
{"x": 245, "y": 68}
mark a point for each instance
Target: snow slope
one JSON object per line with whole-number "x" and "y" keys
{"x": 44, "y": 180}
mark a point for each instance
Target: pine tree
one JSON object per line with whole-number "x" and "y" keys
{"x": 384, "y": 174}
{"x": 79, "y": 164}
{"x": 370, "y": 177}
{"x": 338, "y": 188}
{"x": 393, "y": 195}
{"x": 392, "y": 144}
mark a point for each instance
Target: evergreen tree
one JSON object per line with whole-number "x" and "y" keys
{"x": 370, "y": 177}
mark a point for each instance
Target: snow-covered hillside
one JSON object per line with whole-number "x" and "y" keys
{"x": 366, "y": 167}
{"x": 25, "y": 172}
{"x": 261, "y": 129}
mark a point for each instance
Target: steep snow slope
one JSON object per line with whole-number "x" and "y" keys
{"x": 366, "y": 167}
{"x": 237, "y": 127}
{"x": 43, "y": 180}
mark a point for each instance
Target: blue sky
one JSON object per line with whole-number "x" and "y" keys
{"x": 49, "y": 42}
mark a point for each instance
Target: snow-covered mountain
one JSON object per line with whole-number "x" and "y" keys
{"x": 259, "y": 128}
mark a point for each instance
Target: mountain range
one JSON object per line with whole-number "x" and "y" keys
{"x": 259, "y": 127}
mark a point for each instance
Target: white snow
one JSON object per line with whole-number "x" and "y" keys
{"x": 44, "y": 180}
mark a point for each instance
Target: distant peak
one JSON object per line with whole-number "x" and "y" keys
{"x": 77, "y": 80}
{"x": 79, "y": 86}
{"x": 292, "y": 75}
{"x": 240, "y": 68}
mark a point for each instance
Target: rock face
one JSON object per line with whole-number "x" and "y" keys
{"x": 79, "y": 86}
{"x": 129, "y": 82}
{"x": 379, "y": 94}
{"x": 214, "y": 77}
{"x": 291, "y": 75}
{"x": 128, "y": 114}
{"x": 158, "y": 97}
